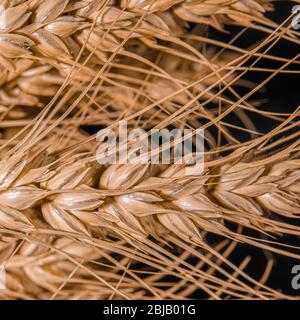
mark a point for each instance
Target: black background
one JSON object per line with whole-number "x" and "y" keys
{"x": 282, "y": 94}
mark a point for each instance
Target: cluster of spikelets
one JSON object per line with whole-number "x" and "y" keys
{"x": 42, "y": 42}
{"x": 73, "y": 229}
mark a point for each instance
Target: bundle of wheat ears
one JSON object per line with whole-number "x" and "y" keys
{"x": 71, "y": 228}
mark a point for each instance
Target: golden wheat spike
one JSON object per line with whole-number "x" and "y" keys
{"x": 129, "y": 203}
{"x": 40, "y": 40}
{"x": 78, "y": 195}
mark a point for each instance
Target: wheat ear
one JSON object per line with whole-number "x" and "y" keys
{"x": 41, "y": 41}
{"x": 82, "y": 201}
